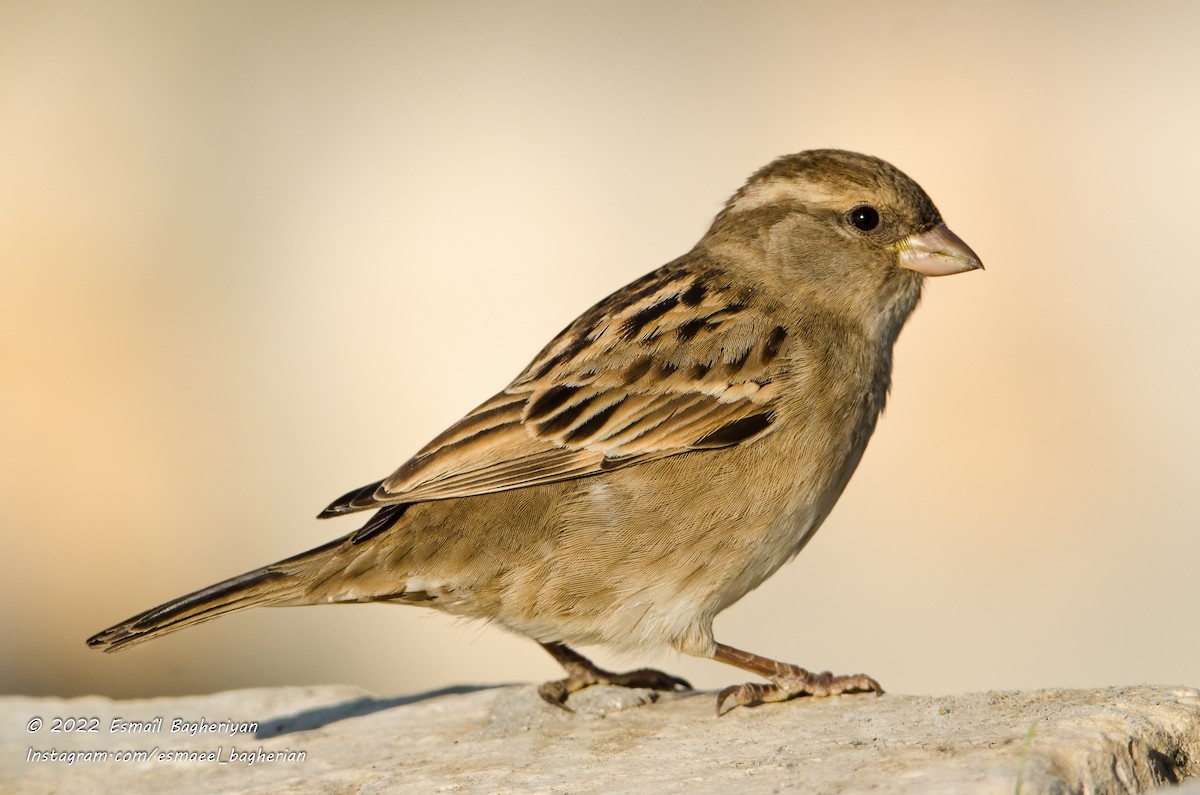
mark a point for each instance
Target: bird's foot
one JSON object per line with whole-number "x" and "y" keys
{"x": 787, "y": 681}
{"x": 582, "y": 672}
{"x": 802, "y": 683}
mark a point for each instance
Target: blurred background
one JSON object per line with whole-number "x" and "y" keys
{"x": 253, "y": 255}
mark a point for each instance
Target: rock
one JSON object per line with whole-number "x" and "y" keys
{"x": 505, "y": 739}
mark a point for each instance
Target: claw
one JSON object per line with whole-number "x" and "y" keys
{"x": 725, "y": 694}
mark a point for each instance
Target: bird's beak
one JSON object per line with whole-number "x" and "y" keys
{"x": 936, "y": 252}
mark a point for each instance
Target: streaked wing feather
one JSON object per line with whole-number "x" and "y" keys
{"x": 675, "y": 362}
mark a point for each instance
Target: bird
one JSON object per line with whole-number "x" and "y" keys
{"x": 661, "y": 457}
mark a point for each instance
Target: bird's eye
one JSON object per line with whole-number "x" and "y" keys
{"x": 864, "y": 217}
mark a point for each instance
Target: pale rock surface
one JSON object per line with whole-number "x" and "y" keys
{"x": 505, "y": 739}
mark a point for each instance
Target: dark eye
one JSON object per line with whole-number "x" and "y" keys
{"x": 864, "y": 217}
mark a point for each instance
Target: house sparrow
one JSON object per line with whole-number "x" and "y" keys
{"x": 662, "y": 456}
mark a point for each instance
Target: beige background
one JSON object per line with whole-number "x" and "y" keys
{"x": 253, "y": 255}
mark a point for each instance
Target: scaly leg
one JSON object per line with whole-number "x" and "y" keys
{"x": 582, "y": 672}
{"x": 787, "y": 680}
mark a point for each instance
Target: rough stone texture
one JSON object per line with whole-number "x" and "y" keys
{"x": 505, "y": 739}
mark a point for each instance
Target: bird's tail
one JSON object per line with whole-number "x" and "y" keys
{"x": 288, "y": 582}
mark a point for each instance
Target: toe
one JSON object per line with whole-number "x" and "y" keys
{"x": 665, "y": 681}
{"x": 724, "y": 695}
{"x": 555, "y": 693}
{"x": 858, "y": 683}
{"x": 651, "y": 678}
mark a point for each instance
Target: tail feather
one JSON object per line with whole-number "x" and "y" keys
{"x": 282, "y": 583}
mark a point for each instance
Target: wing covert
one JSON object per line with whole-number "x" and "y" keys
{"x": 676, "y": 362}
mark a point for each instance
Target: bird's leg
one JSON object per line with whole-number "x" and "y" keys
{"x": 787, "y": 680}
{"x": 582, "y": 672}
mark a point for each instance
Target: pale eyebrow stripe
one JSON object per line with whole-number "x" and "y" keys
{"x": 777, "y": 191}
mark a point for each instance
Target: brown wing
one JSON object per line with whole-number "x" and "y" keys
{"x": 672, "y": 363}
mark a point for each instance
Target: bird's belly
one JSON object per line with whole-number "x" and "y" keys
{"x": 630, "y": 568}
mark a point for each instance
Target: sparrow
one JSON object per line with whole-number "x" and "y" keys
{"x": 662, "y": 456}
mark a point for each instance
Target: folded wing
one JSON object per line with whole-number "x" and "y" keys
{"x": 678, "y": 362}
